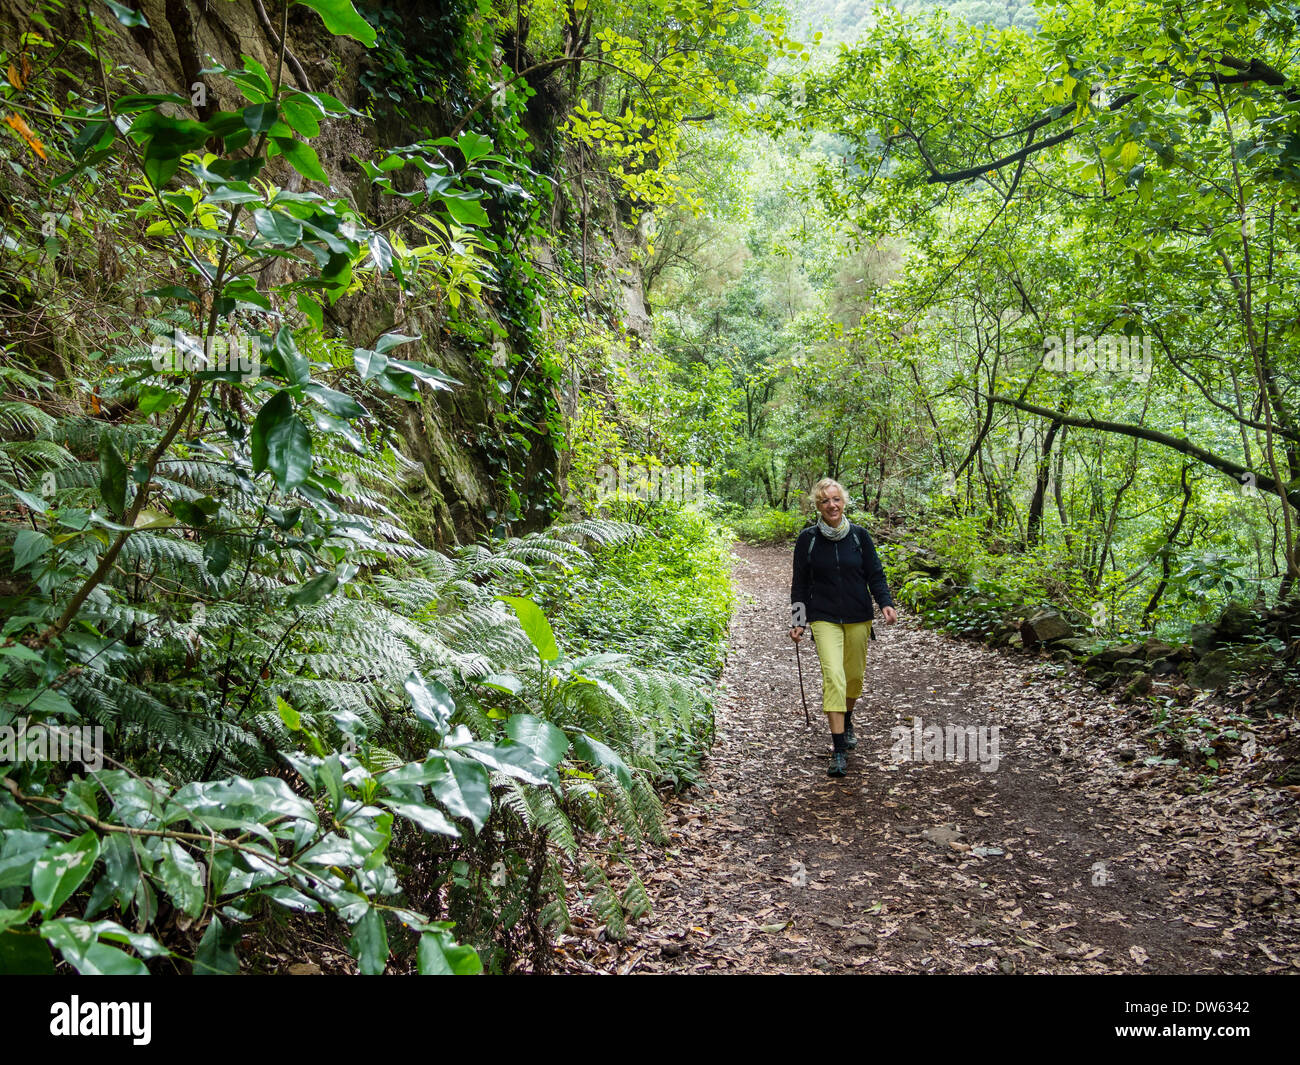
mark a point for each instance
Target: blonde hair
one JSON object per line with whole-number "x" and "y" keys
{"x": 823, "y": 486}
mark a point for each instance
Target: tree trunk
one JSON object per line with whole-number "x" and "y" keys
{"x": 1165, "y": 563}
{"x": 1040, "y": 486}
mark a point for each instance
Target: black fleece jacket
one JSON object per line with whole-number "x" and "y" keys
{"x": 837, "y": 583}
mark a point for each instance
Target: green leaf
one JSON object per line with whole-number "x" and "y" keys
{"x": 112, "y": 475}
{"x": 316, "y": 589}
{"x": 235, "y": 192}
{"x": 172, "y": 292}
{"x": 535, "y": 625}
{"x": 341, "y": 19}
{"x": 464, "y": 790}
{"x": 281, "y": 443}
{"x": 145, "y": 945}
{"x": 188, "y": 513}
{"x": 429, "y": 818}
{"x": 19, "y": 851}
{"x": 153, "y": 399}
{"x": 216, "y": 954}
{"x": 393, "y": 340}
{"x": 78, "y": 942}
{"x": 216, "y": 554}
{"x": 311, "y": 309}
{"x": 431, "y": 702}
{"x": 336, "y": 402}
{"x": 369, "y": 364}
{"x": 296, "y": 367}
{"x": 34, "y": 502}
{"x": 92, "y": 133}
{"x": 29, "y": 545}
{"x": 259, "y": 75}
{"x": 303, "y": 158}
{"x": 25, "y": 954}
{"x": 292, "y": 899}
{"x": 154, "y": 519}
{"x": 26, "y": 654}
{"x": 467, "y": 212}
{"x": 182, "y": 878}
{"x": 369, "y": 943}
{"x": 126, "y": 16}
{"x": 60, "y": 870}
{"x": 512, "y": 759}
{"x": 10, "y": 918}
{"x": 277, "y": 228}
{"x": 474, "y": 146}
{"x": 424, "y": 372}
{"x": 440, "y": 955}
{"x": 160, "y": 164}
{"x": 595, "y": 752}
{"x": 381, "y": 251}
{"x": 291, "y": 718}
{"x": 398, "y": 383}
{"x": 503, "y": 682}
{"x": 302, "y": 114}
{"x": 260, "y": 117}
{"x": 549, "y": 743}
{"x": 236, "y": 801}
{"x": 120, "y": 869}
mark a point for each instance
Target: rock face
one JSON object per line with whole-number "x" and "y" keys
{"x": 629, "y": 285}
{"x": 1236, "y": 623}
{"x": 1043, "y": 626}
{"x": 925, "y": 562}
{"x": 454, "y": 436}
{"x": 1211, "y": 670}
{"x": 1112, "y": 655}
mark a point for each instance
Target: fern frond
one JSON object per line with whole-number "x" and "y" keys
{"x": 604, "y": 901}
{"x": 17, "y": 417}
{"x": 635, "y": 899}
{"x": 603, "y": 531}
{"x": 555, "y": 914}
{"x": 149, "y": 551}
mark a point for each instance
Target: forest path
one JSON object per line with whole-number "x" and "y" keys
{"x": 1065, "y": 858}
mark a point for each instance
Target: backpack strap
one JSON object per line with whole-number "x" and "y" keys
{"x": 857, "y": 538}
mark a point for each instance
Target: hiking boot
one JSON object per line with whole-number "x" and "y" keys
{"x": 850, "y": 738}
{"x": 839, "y": 765}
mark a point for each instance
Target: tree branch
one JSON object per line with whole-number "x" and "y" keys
{"x": 1028, "y": 150}
{"x": 1233, "y": 469}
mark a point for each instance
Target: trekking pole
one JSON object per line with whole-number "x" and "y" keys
{"x": 802, "y": 694}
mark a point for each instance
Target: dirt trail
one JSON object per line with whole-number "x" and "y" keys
{"x": 1063, "y": 858}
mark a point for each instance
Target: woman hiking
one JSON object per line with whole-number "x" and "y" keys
{"x": 836, "y": 572}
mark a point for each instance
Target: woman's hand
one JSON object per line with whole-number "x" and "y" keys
{"x": 796, "y": 633}
{"x": 891, "y": 615}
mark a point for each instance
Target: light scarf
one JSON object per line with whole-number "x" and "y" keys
{"x": 838, "y": 533}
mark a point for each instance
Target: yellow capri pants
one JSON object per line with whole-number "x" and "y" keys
{"x": 842, "y": 650}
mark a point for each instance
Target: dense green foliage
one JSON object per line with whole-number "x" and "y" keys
{"x": 307, "y": 714}
{"x": 1023, "y": 285}
{"x": 663, "y": 598}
